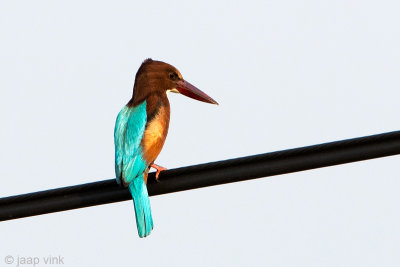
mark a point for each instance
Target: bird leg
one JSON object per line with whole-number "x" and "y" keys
{"x": 158, "y": 168}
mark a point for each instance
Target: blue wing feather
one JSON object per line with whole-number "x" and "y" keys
{"x": 128, "y": 133}
{"x": 119, "y": 138}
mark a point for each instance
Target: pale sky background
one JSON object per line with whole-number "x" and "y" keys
{"x": 286, "y": 74}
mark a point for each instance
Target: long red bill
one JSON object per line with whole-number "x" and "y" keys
{"x": 187, "y": 89}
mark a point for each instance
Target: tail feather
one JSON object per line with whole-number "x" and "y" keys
{"x": 141, "y": 201}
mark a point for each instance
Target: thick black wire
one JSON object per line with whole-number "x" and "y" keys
{"x": 197, "y": 176}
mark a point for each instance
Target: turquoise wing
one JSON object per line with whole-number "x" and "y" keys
{"x": 128, "y": 133}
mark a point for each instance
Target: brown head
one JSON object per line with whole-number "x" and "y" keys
{"x": 157, "y": 77}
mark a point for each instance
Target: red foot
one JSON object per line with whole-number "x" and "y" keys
{"x": 158, "y": 168}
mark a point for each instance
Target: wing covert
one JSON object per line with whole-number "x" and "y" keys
{"x": 128, "y": 133}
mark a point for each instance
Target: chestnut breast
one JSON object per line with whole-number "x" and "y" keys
{"x": 155, "y": 134}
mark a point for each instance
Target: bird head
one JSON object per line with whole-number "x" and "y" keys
{"x": 160, "y": 77}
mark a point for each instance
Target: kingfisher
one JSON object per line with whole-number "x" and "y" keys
{"x": 141, "y": 129}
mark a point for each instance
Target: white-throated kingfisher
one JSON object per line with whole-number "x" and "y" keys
{"x": 141, "y": 129}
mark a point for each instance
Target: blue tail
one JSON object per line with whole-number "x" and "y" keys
{"x": 141, "y": 201}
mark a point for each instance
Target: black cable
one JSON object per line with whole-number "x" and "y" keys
{"x": 197, "y": 176}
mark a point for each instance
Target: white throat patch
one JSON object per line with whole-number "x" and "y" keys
{"x": 173, "y": 90}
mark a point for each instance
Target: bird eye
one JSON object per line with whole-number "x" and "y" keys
{"x": 173, "y": 76}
